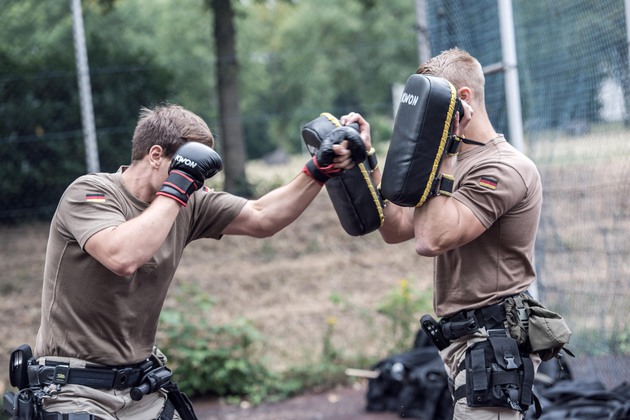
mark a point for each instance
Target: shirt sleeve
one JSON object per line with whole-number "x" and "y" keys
{"x": 490, "y": 190}
{"x": 212, "y": 212}
{"x": 86, "y": 208}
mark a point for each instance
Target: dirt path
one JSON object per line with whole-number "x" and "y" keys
{"x": 337, "y": 404}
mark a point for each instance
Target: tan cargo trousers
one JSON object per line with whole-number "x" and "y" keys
{"x": 109, "y": 404}
{"x": 453, "y": 356}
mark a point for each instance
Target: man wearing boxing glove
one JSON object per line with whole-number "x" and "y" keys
{"x": 115, "y": 243}
{"x": 481, "y": 231}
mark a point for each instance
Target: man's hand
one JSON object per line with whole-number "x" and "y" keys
{"x": 192, "y": 164}
{"x": 462, "y": 120}
{"x": 324, "y": 164}
{"x": 364, "y": 127}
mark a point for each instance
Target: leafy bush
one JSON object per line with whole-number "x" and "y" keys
{"x": 221, "y": 359}
{"x": 213, "y": 359}
{"x": 400, "y": 306}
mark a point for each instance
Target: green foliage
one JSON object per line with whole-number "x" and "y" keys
{"x": 210, "y": 358}
{"x": 620, "y": 342}
{"x": 400, "y": 306}
{"x": 294, "y": 67}
{"x": 222, "y": 359}
{"x": 556, "y": 74}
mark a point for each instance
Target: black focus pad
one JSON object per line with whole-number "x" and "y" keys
{"x": 419, "y": 140}
{"x": 352, "y": 193}
{"x": 314, "y": 132}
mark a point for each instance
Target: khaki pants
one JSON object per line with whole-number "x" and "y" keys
{"x": 453, "y": 356}
{"x": 110, "y": 404}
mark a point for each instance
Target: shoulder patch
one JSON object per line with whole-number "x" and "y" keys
{"x": 488, "y": 182}
{"x": 95, "y": 198}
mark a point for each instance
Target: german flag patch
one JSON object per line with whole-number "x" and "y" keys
{"x": 95, "y": 198}
{"x": 489, "y": 183}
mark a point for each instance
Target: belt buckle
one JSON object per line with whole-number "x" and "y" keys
{"x": 61, "y": 374}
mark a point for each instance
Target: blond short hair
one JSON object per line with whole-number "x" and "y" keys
{"x": 458, "y": 67}
{"x": 168, "y": 126}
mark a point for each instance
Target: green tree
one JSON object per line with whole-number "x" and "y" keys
{"x": 40, "y": 121}
{"x": 307, "y": 57}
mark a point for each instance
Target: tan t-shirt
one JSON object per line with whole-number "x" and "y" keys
{"x": 502, "y": 188}
{"x": 90, "y": 313}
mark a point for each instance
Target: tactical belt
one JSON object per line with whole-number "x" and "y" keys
{"x": 94, "y": 377}
{"x": 488, "y": 316}
{"x": 468, "y": 322}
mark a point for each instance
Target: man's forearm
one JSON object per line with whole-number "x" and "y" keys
{"x": 277, "y": 209}
{"x": 126, "y": 247}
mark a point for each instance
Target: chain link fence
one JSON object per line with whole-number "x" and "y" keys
{"x": 573, "y": 71}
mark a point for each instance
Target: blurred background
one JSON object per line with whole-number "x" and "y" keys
{"x": 557, "y": 81}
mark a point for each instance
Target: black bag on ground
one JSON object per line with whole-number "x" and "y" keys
{"x": 413, "y": 384}
{"x": 584, "y": 400}
{"x": 426, "y": 394}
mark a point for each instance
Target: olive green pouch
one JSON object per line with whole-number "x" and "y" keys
{"x": 545, "y": 332}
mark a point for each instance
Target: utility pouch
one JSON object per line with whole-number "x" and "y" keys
{"x": 498, "y": 375}
{"x": 545, "y": 332}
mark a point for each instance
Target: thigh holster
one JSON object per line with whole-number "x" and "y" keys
{"x": 497, "y": 375}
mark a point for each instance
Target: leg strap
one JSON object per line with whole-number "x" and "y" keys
{"x": 180, "y": 402}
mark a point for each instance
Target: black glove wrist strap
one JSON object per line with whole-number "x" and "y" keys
{"x": 313, "y": 169}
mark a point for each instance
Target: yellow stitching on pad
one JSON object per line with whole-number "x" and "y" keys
{"x": 332, "y": 118}
{"x": 438, "y": 157}
{"x": 368, "y": 182}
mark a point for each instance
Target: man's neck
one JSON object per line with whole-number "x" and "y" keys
{"x": 480, "y": 130}
{"x": 137, "y": 180}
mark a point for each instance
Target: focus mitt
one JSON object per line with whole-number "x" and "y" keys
{"x": 352, "y": 193}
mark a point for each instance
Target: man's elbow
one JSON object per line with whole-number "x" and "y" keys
{"x": 122, "y": 264}
{"x": 428, "y": 248}
{"x": 123, "y": 268}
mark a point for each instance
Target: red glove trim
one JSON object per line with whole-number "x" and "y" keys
{"x": 171, "y": 196}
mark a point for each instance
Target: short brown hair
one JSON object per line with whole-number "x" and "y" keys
{"x": 168, "y": 126}
{"x": 458, "y": 67}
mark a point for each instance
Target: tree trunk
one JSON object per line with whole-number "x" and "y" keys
{"x": 233, "y": 150}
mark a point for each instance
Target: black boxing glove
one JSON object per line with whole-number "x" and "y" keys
{"x": 321, "y": 167}
{"x": 192, "y": 164}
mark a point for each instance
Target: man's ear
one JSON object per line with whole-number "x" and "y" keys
{"x": 156, "y": 156}
{"x": 465, "y": 94}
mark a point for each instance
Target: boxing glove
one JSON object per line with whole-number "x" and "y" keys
{"x": 321, "y": 166}
{"x": 192, "y": 164}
